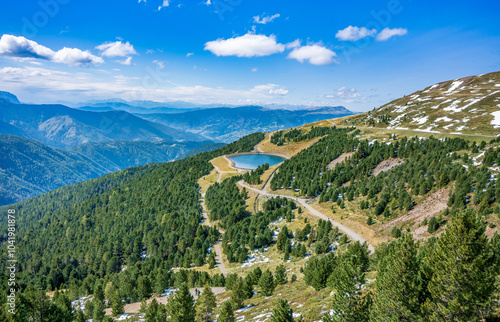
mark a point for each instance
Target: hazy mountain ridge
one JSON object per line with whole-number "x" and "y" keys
{"x": 61, "y": 127}
{"x": 468, "y": 105}
{"x": 229, "y": 124}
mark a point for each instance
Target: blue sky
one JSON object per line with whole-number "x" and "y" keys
{"x": 358, "y": 54}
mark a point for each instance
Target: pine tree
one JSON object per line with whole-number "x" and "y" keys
{"x": 226, "y": 313}
{"x": 397, "y": 283}
{"x": 80, "y": 316}
{"x": 280, "y": 275}
{"x": 282, "y": 239}
{"x": 463, "y": 272}
{"x": 181, "y": 305}
{"x": 99, "y": 312}
{"x": 266, "y": 283}
{"x": 347, "y": 280}
{"x": 282, "y": 312}
{"x": 152, "y": 311}
{"x": 98, "y": 294}
{"x": 205, "y": 305}
{"x": 237, "y": 295}
{"x": 116, "y": 303}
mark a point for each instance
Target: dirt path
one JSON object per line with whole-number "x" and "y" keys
{"x": 216, "y": 248}
{"x": 353, "y": 235}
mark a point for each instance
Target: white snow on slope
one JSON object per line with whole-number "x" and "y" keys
{"x": 453, "y": 87}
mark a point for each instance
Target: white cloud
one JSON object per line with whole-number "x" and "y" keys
{"x": 165, "y": 3}
{"x": 293, "y": 44}
{"x": 388, "y": 33}
{"x": 127, "y": 61}
{"x": 314, "y": 54}
{"x": 161, "y": 64}
{"x": 255, "y": 69}
{"x": 346, "y": 95}
{"x": 354, "y": 33}
{"x": 189, "y": 54}
{"x": 48, "y": 85}
{"x": 249, "y": 45}
{"x": 265, "y": 19}
{"x": 208, "y": 2}
{"x": 116, "y": 49}
{"x": 74, "y": 56}
{"x": 20, "y": 47}
{"x": 270, "y": 89}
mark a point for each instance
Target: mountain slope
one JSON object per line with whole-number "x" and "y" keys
{"x": 229, "y": 124}
{"x": 61, "y": 127}
{"x": 118, "y": 155}
{"x": 469, "y": 105}
{"x": 29, "y": 168}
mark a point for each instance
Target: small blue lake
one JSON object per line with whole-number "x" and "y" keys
{"x": 252, "y": 161}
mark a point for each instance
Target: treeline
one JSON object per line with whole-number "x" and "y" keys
{"x": 428, "y": 164}
{"x": 123, "y": 222}
{"x": 450, "y": 278}
{"x": 253, "y": 177}
{"x": 296, "y": 135}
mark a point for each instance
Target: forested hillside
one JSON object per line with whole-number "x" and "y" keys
{"x": 29, "y": 168}
{"x": 72, "y": 237}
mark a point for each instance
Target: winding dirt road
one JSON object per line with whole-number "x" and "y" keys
{"x": 352, "y": 235}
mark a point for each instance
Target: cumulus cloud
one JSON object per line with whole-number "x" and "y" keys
{"x": 249, "y": 45}
{"x": 20, "y": 47}
{"x": 208, "y": 2}
{"x": 346, "y": 95}
{"x": 293, "y": 44}
{"x": 74, "y": 56}
{"x": 116, "y": 49}
{"x": 270, "y": 89}
{"x": 354, "y": 33}
{"x": 127, "y": 61}
{"x": 265, "y": 19}
{"x": 189, "y": 54}
{"x": 388, "y": 33}
{"x": 314, "y": 54}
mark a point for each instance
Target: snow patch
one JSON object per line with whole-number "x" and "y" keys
{"x": 453, "y": 87}
{"x": 496, "y": 119}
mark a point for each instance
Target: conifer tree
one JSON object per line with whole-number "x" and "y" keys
{"x": 99, "y": 312}
{"x": 205, "y": 305}
{"x": 463, "y": 270}
{"x": 397, "y": 283}
{"x": 282, "y": 312}
{"x": 266, "y": 283}
{"x": 152, "y": 311}
{"x": 226, "y": 313}
{"x": 280, "y": 275}
{"x": 116, "y": 303}
{"x": 237, "y": 295}
{"x": 181, "y": 305}
{"x": 347, "y": 280}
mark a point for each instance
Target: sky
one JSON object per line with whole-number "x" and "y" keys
{"x": 358, "y": 54}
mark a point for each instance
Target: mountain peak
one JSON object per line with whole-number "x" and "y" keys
{"x": 9, "y": 97}
{"x": 467, "y": 105}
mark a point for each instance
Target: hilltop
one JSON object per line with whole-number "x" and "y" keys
{"x": 468, "y": 105}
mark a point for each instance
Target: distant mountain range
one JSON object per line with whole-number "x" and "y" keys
{"x": 45, "y": 147}
{"x": 29, "y": 168}
{"x": 62, "y": 127}
{"x": 468, "y": 105}
{"x": 228, "y": 124}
